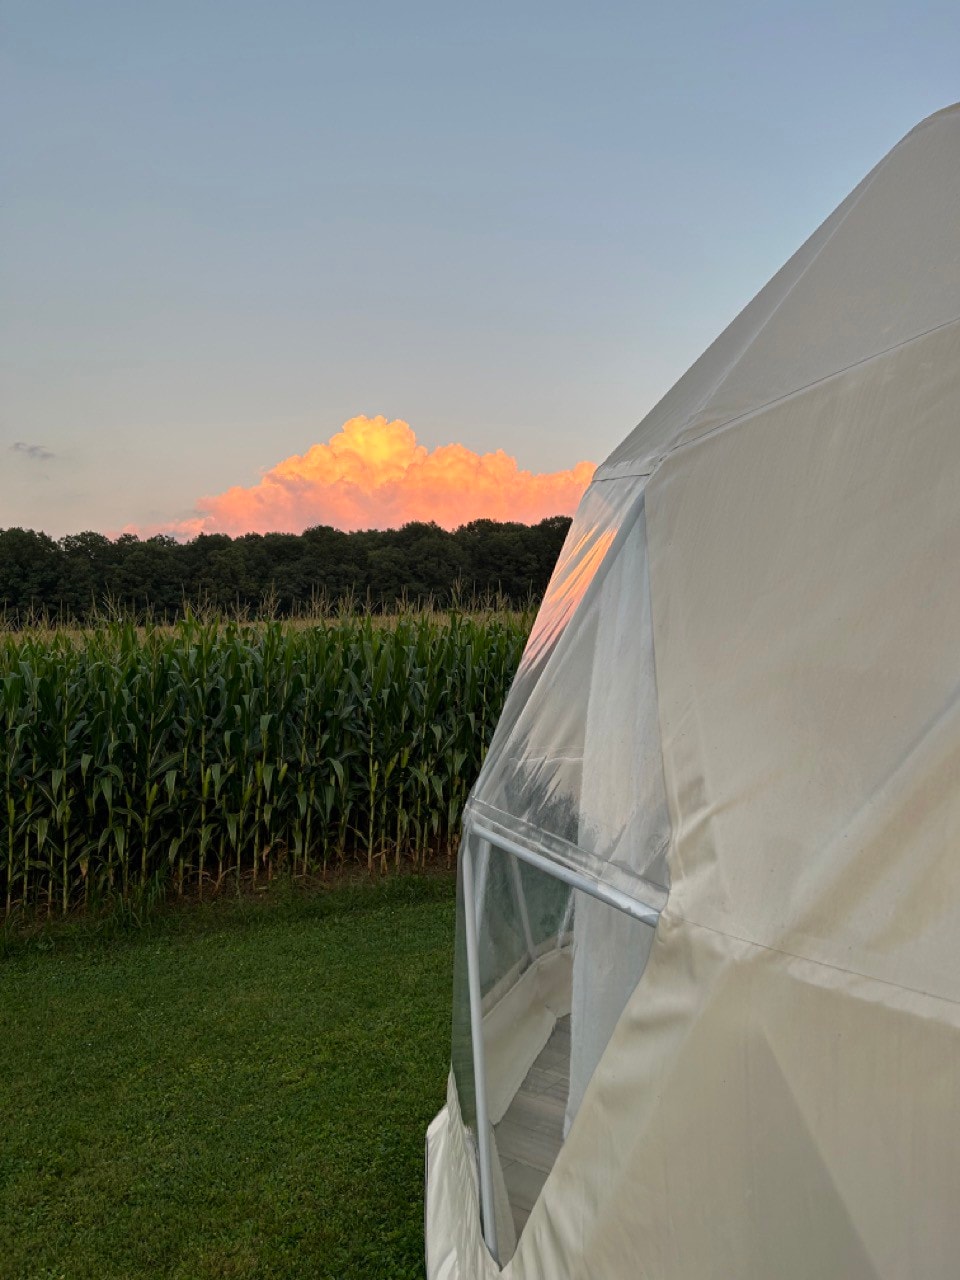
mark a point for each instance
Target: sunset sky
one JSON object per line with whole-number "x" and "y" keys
{"x": 273, "y": 264}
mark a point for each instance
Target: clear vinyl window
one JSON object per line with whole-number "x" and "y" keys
{"x": 556, "y": 968}
{"x": 574, "y": 785}
{"x": 573, "y": 782}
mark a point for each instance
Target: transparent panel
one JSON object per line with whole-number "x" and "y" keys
{"x": 575, "y": 767}
{"x": 574, "y": 775}
{"x": 602, "y": 513}
{"x": 522, "y": 915}
{"x": 556, "y": 969}
{"x": 461, "y": 1049}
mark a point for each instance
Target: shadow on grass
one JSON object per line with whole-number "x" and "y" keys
{"x": 153, "y": 913}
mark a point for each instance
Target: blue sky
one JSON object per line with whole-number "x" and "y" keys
{"x": 225, "y": 228}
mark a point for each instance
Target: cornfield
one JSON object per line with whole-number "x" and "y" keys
{"x": 172, "y": 759}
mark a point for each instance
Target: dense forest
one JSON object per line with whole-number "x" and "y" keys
{"x": 281, "y": 574}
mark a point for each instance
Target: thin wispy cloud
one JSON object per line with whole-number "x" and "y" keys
{"x": 38, "y": 452}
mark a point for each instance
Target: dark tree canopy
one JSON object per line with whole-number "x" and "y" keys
{"x": 419, "y": 563}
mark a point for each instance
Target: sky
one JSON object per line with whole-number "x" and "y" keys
{"x": 278, "y": 264}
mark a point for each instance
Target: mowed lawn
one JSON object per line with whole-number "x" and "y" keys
{"x": 235, "y": 1091}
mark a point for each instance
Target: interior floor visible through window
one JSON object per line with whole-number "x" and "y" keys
{"x": 530, "y": 1134}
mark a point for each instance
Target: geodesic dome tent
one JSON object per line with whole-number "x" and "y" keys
{"x": 707, "y": 994}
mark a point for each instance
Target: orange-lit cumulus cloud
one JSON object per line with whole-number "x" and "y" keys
{"x": 373, "y": 474}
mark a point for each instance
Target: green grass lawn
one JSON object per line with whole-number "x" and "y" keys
{"x": 238, "y": 1090}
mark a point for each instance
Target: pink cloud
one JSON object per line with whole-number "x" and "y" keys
{"x": 374, "y": 474}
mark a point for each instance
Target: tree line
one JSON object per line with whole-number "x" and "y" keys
{"x": 87, "y": 574}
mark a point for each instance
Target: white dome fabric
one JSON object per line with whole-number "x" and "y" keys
{"x": 742, "y": 706}
{"x": 882, "y": 270}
